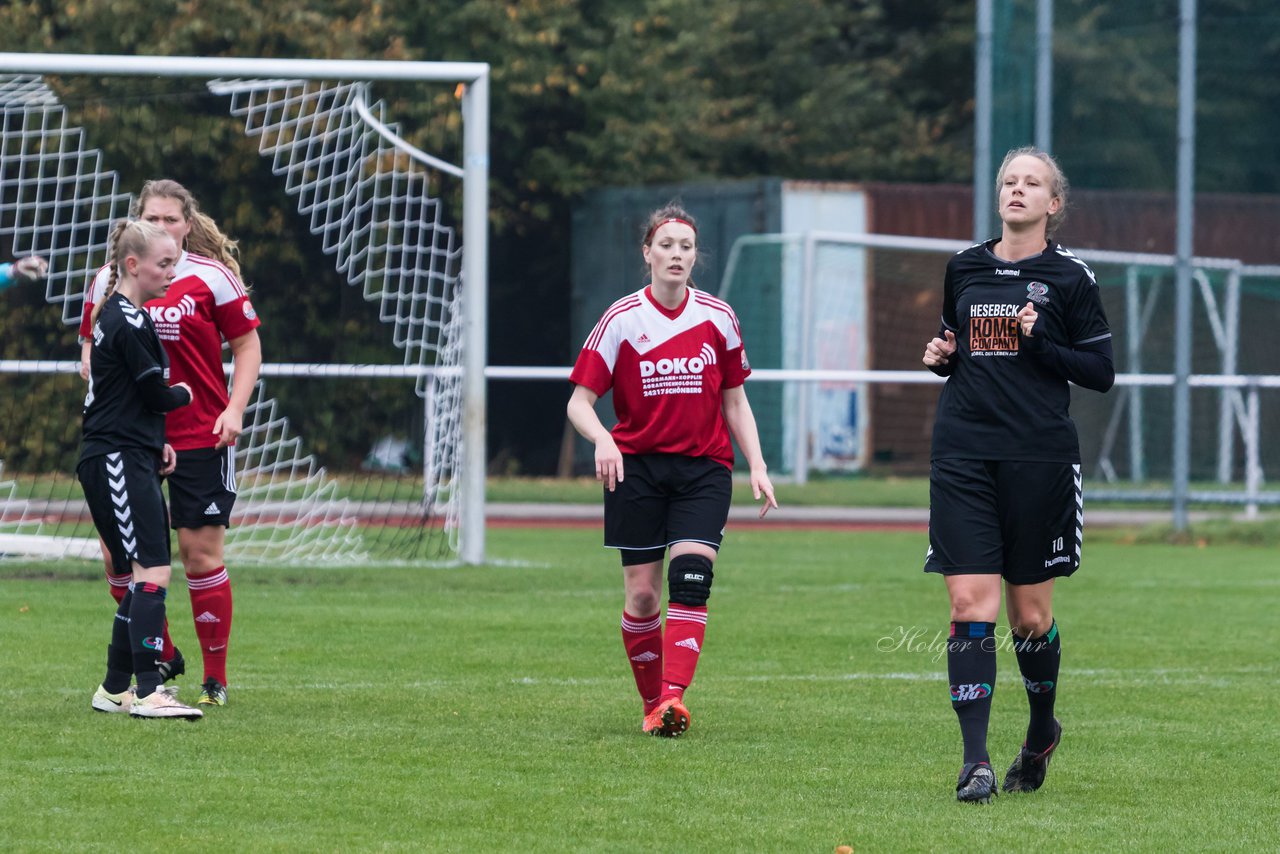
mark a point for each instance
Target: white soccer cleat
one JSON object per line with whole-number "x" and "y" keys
{"x": 103, "y": 701}
{"x": 162, "y": 704}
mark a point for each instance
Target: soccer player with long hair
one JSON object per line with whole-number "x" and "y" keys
{"x": 122, "y": 455}
{"x": 674, "y": 358}
{"x": 207, "y": 305}
{"x": 1021, "y": 318}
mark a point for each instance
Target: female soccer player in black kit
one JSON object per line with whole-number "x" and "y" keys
{"x": 1021, "y": 317}
{"x": 122, "y": 455}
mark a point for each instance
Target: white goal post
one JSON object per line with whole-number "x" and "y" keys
{"x": 474, "y": 77}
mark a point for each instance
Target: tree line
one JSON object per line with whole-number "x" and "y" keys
{"x": 591, "y": 93}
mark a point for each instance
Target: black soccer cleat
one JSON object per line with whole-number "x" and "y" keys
{"x": 1026, "y": 774}
{"x": 170, "y": 670}
{"x": 212, "y": 693}
{"x": 977, "y": 783}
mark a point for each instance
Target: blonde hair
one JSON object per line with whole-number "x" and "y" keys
{"x": 204, "y": 238}
{"x": 1058, "y": 186}
{"x": 130, "y": 237}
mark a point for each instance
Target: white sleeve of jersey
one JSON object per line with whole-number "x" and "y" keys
{"x": 610, "y": 342}
{"x": 220, "y": 281}
{"x": 98, "y": 286}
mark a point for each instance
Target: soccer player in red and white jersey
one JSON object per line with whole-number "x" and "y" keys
{"x": 206, "y": 305}
{"x": 1021, "y": 318}
{"x": 674, "y": 358}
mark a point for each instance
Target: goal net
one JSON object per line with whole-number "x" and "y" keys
{"x": 351, "y": 449}
{"x": 868, "y": 302}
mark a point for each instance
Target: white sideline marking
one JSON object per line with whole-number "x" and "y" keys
{"x": 1101, "y": 676}
{"x": 1108, "y": 676}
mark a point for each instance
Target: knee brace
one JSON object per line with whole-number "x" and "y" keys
{"x": 689, "y": 580}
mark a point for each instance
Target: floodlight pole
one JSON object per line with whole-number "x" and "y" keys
{"x": 1044, "y": 75}
{"x": 982, "y": 177}
{"x": 1182, "y": 279}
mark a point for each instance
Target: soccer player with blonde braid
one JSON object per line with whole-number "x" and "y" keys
{"x": 122, "y": 456}
{"x": 674, "y": 358}
{"x": 207, "y": 305}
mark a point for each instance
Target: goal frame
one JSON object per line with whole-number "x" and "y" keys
{"x": 474, "y": 77}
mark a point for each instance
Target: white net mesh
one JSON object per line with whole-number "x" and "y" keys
{"x": 365, "y": 198}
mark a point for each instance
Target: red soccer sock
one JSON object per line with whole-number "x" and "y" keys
{"x": 119, "y": 585}
{"x": 211, "y": 608}
{"x": 681, "y": 646}
{"x": 642, "y": 637}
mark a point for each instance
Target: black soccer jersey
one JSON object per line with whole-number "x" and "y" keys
{"x": 1000, "y": 401}
{"x": 128, "y": 383}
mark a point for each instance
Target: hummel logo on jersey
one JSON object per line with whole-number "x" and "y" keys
{"x": 689, "y": 643}
{"x": 645, "y": 657}
{"x": 643, "y": 339}
{"x": 1000, "y": 272}
{"x": 135, "y": 321}
{"x": 212, "y": 510}
{"x": 206, "y": 617}
{"x": 972, "y": 691}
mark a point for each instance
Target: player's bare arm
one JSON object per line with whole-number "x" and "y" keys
{"x": 582, "y": 414}
{"x": 742, "y": 424}
{"x": 246, "y": 355}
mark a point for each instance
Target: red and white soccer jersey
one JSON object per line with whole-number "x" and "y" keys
{"x": 205, "y": 305}
{"x": 667, "y": 369}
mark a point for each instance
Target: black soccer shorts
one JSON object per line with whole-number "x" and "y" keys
{"x": 665, "y": 499}
{"x": 1021, "y": 520}
{"x": 202, "y": 489}
{"x": 122, "y": 490}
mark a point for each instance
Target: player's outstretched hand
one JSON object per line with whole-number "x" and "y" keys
{"x": 608, "y": 463}
{"x": 1027, "y": 318}
{"x": 940, "y": 350}
{"x": 762, "y": 486}
{"x": 30, "y": 269}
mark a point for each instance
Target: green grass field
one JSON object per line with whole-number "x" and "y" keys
{"x": 491, "y": 709}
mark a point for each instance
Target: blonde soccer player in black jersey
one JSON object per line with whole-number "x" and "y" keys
{"x": 1021, "y": 318}
{"x": 123, "y": 453}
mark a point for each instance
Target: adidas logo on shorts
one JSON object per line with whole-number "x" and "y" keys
{"x": 212, "y": 509}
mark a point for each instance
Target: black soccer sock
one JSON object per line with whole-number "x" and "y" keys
{"x": 146, "y": 635}
{"x": 971, "y": 666}
{"x": 120, "y": 650}
{"x": 1038, "y": 660}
